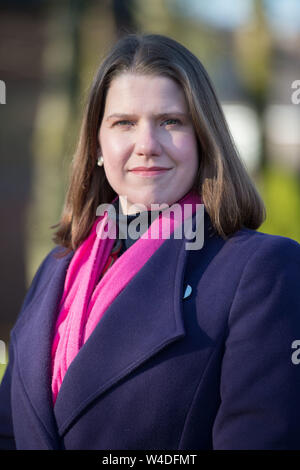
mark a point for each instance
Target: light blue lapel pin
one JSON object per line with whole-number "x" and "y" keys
{"x": 187, "y": 292}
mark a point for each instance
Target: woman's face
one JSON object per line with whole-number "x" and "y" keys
{"x": 147, "y": 140}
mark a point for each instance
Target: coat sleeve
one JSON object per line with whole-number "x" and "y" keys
{"x": 7, "y": 441}
{"x": 260, "y": 381}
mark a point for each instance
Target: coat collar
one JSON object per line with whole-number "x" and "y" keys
{"x": 145, "y": 317}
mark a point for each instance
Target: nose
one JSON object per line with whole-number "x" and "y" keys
{"x": 147, "y": 141}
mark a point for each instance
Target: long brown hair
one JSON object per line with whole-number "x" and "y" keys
{"x": 222, "y": 181}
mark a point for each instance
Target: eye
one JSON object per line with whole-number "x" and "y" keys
{"x": 123, "y": 123}
{"x": 172, "y": 122}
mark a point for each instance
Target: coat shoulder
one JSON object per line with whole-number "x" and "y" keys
{"x": 41, "y": 279}
{"x": 263, "y": 259}
{"x": 246, "y": 249}
{"x": 48, "y": 263}
{"x": 264, "y": 245}
{"x": 233, "y": 253}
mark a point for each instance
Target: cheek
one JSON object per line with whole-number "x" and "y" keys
{"x": 115, "y": 151}
{"x": 186, "y": 148}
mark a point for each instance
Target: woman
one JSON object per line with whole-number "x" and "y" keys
{"x": 141, "y": 343}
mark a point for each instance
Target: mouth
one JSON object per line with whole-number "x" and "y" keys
{"x": 152, "y": 171}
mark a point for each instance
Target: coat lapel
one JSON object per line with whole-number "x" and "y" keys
{"x": 33, "y": 347}
{"x": 144, "y": 318}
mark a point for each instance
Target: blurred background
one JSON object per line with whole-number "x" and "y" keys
{"x": 49, "y": 52}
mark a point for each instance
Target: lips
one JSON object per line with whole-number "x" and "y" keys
{"x": 151, "y": 171}
{"x": 152, "y": 168}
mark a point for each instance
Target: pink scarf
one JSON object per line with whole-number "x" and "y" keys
{"x": 87, "y": 295}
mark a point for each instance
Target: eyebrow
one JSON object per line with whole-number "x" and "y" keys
{"x": 127, "y": 116}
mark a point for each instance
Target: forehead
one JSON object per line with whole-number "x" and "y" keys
{"x": 144, "y": 92}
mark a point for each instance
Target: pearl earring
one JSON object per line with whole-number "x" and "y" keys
{"x": 100, "y": 161}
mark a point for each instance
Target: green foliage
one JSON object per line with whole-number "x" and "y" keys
{"x": 280, "y": 190}
{"x": 2, "y": 370}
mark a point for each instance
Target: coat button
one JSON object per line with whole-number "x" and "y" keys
{"x": 188, "y": 291}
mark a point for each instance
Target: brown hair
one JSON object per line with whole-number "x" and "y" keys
{"x": 227, "y": 191}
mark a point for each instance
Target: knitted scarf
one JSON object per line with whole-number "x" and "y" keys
{"x": 90, "y": 288}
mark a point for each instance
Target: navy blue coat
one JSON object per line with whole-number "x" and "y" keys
{"x": 213, "y": 370}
